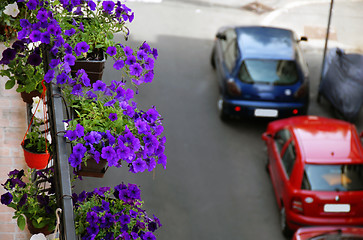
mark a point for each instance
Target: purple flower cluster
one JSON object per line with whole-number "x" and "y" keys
{"x": 139, "y": 64}
{"x": 29, "y": 199}
{"x": 115, "y": 213}
{"x": 133, "y": 136}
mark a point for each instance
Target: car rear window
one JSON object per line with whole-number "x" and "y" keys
{"x": 344, "y": 177}
{"x": 277, "y": 72}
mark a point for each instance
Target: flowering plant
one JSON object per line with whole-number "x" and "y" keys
{"x": 109, "y": 126}
{"x": 107, "y": 213}
{"x": 23, "y": 61}
{"x": 32, "y": 196}
{"x": 92, "y": 22}
{"x": 10, "y": 13}
{"x": 36, "y": 141}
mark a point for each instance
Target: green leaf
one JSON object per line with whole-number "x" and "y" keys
{"x": 10, "y": 84}
{"x": 21, "y": 222}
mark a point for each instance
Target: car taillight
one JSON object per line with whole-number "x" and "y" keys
{"x": 297, "y": 205}
{"x": 302, "y": 91}
{"x": 232, "y": 88}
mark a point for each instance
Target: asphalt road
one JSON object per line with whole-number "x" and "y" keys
{"x": 215, "y": 186}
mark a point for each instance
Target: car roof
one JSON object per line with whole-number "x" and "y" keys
{"x": 259, "y": 42}
{"x": 325, "y": 140}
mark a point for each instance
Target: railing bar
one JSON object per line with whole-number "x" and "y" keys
{"x": 62, "y": 165}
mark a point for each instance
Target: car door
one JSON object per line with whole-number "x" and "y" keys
{"x": 226, "y": 52}
{"x": 284, "y": 159}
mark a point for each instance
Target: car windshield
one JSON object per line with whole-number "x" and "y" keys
{"x": 277, "y": 72}
{"x": 344, "y": 177}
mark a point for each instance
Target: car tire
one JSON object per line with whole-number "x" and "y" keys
{"x": 212, "y": 61}
{"x": 222, "y": 114}
{"x": 286, "y": 231}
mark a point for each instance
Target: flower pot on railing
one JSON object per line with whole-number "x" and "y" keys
{"x": 93, "y": 66}
{"x": 35, "y": 160}
{"x": 93, "y": 169}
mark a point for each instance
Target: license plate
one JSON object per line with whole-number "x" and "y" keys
{"x": 337, "y": 208}
{"x": 266, "y": 112}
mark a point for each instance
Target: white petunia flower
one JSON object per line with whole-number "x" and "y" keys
{"x": 39, "y": 236}
{"x": 12, "y": 10}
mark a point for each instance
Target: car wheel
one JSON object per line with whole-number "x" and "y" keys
{"x": 212, "y": 61}
{"x": 222, "y": 115}
{"x": 286, "y": 231}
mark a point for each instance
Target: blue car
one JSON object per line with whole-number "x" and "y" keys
{"x": 261, "y": 72}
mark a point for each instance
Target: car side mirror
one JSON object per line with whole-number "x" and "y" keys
{"x": 303, "y": 38}
{"x": 266, "y": 136}
{"x": 221, "y": 36}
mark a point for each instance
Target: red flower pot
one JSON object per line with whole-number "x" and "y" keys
{"x": 36, "y": 160}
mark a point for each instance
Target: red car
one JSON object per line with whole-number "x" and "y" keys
{"x": 316, "y": 169}
{"x": 325, "y": 233}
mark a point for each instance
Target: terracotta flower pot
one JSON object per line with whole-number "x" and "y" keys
{"x": 33, "y": 230}
{"x": 36, "y": 160}
{"x": 28, "y": 97}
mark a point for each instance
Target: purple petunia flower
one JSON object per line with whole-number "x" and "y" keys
{"x": 54, "y": 63}
{"x": 70, "y": 59}
{"x": 149, "y": 76}
{"x": 35, "y": 35}
{"x": 79, "y": 150}
{"x": 123, "y": 152}
{"x": 145, "y": 47}
{"x": 149, "y": 64}
{"x": 130, "y": 60}
{"x": 139, "y": 165}
{"x": 152, "y": 115}
{"x": 34, "y": 59}
{"x": 75, "y": 160}
{"x": 134, "y": 191}
{"x": 62, "y": 78}
{"x": 155, "y": 53}
{"x": 141, "y": 55}
{"x": 119, "y": 64}
{"x": 54, "y": 29}
{"x": 128, "y": 51}
{"x": 162, "y": 160}
{"x": 69, "y": 32}
{"x": 113, "y": 116}
{"x": 49, "y": 76}
{"x": 111, "y": 50}
{"x": 110, "y": 103}
{"x": 135, "y": 69}
{"x": 124, "y": 219}
{"x": 92, "y": 229}
{"x": 68, "y": 48}
{"x": 79, "y": 130}
{"x": 32, "y": 4}
{"x": 91, "y": 95}
{"x": 108, "y": 6}
{"x": 81, "y": 47}
{"x": 108, "y": 153}
{"x": 148, "y": 236}
{"x": 8, "y": 55}
{"x": 71, "y": 135}
{"x": 92, "y": 5}
{"x": 24, "y": 23}
{"x": 22, "y": 200}
{"x": 42, "y": 15}
{"x": 77, "y": 90}
{"x": 99, "y": 86}
{"x": 45, "y": 37}
{"x": 6, "y": 198}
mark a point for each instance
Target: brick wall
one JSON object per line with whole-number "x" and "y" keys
{"x": 12, "y": 130}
